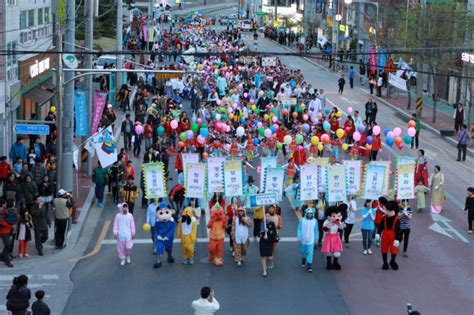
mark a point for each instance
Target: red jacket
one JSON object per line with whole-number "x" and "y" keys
{"x": 376, "y": 143}
{"x": 5, "y": 168}
{"x": 179, "y": 162}
{"x": 299, "y": 156}
{"x": 148, "y": 131}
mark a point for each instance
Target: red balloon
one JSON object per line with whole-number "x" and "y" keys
{"x": 295, "y": 115}
{"x": 217, "y": 144}
{"x": 180, "y": 144}
{"x": 325, "y": 139}
{"x": 398, "y": 141}
{"x": 171, "y": 149}
{"x": 348, "y": 130}
{"x": 267, "y": 107}
{"x": 213, "y": 91}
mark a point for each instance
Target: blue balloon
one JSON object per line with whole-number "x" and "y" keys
{"x": 361, "y": 129}
{"x": 389, "y": 142}
{"x": 255, "y": 141}
{"x": 204, "y": 132}
{"x": 250, "y": 112}
{"x": 242, "y": 120}
{"x": 273, "y": 129}
{"x": 327, "y": 111}
{"x": 386, "y": 131}
{"x": 370, "y": 139}
{"x": 326, "y": 125}
{"x": 194, "y": 119}
{"x": 305, "y": 127}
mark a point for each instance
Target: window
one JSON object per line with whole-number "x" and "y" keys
{"x": 31, "y": 18}
{"x": 12, "y": 58}
{"x": 12, "y": 2}
{"x": 23, "y": 18}
{"x": 46, "y": 15}
{"x": 40, "y": 16}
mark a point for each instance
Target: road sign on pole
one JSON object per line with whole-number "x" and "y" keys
{"x": 31, "y": 129}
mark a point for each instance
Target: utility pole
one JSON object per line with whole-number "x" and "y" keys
{"x": 89, "y": 38}
{"x": 68, "y": 103}
{"x": 275, "y": 18}
{"x": 119, "y": 64}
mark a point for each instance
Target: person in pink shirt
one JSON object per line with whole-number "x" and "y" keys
{"x": 124, "y": 233}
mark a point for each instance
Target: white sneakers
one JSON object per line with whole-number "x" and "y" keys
{"x": 365, "y": 252}
{"x": 369, "y": 251}
{"x": 122, "y": 262}
{"x": 129, "y": 260}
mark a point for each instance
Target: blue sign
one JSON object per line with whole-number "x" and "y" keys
{"x": 260, "y": 200}
{"x": 31, "y": 129}
{"x": 80, "y": 112}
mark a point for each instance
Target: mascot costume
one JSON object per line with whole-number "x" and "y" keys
{"x": 332, "y": 244}
{"x": 164, "y": 233}
{"x": 389, "y": 229}
{"x": 187, "y": 232}
{"x": 217, "y": 226}
{"x": 308, "y": 235}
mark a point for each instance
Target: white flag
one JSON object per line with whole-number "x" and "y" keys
{"x": 106, "y": 148}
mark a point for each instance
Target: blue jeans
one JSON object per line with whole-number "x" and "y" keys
{"x": 99, "y": 193}
{"x": 366, "y": 238}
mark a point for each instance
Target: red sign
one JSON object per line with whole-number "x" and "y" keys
{"x": 373, "y": 59}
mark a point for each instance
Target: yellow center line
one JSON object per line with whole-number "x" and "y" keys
{"x": 98, "y": 244}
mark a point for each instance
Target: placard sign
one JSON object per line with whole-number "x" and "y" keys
{"x": 260, "y": 200}
{"x": 374, "y": 181}
{"x": 274, "y": 181}
{"x": 189, "y": 158}
{"x": 336, "y": 186}
{"x": 155, "y": 184}
{"x": 265, "y": 163}
{"x": 406, "y": 181}
{"x": 215, "y": 174}
{"x": 353, "y": 176}
{"x": 308, "y": 182}
{"x": 233, "y": 178}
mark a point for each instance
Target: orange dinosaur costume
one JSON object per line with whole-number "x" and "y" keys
{"x": 217, "y": 226}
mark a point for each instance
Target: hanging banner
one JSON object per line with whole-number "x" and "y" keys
{"x": 322, "y": 163}
{"x": 215, "y": 174}
{"x": 406, "y": 181}
{"x": 274, "y": 179}
{"x": 353, "y": 176}
{"x": 308, "y": 182}
{"x": 233, "y": 178}
{"x": 155, "y": 184}
{"x": 374, "y": 181}
{"x": 106, "y": 148}
{"x": 266, "y": 162}
{"x": 388, "y": 167}
{"x": 189, "y": 158}
{"x": 373, "y": 59}
{"x": 260, "y": 200}
{"x": 336, "y": 185}
{"x": 195, "y": 180}
{"x": 80, "y": 112}
{"x": 100, "y": 98}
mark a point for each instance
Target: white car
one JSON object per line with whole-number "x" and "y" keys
{"x": 105, "y": 59}
{"x": 246, "y": 25}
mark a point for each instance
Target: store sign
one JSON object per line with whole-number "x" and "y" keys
{"x": 468, "y": 58}
{"x": 39, "y": 67}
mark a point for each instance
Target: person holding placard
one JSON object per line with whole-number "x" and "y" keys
{"x": 293, "y": 194}
{"x": 268, "y": 237}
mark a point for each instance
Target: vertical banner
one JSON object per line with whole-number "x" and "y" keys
{"x": 274, "y": 181}
{"x": 189, "y": 158}
{"x": 373, "y": 59}
{"x": 100, "y": 98}
{"x": 195, "y": 180}
{"x": 266, "y": 162}
{"x": 322, "y": 164}
{"x": 215, "y": 174}
{"x": 155, "y": 184}
{"x": 308, "y": 182}
{"x": 233, "y": 178}
{"x": 353, "y": 175}
{"x": 374, "y": 181}
{"x": 406, "y": 181}
{"x": 80, "y": 112}
{"x": 388, "y": 167}
{"x": 106, "y": 148}
{"x": 336, "y": 185}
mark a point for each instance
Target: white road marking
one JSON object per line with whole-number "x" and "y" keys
{"x": 199, "y": 240}
{"x": 31, "y": 277}
{"x": 438, "y": 218}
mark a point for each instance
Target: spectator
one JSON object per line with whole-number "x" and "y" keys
{"x": 11, "y": 189}
{"x": 7, "y": 221}
{"x": 379, "y": 86}
{"x": 39, "y": 307}
{"x": 61, "y": 217}
{"x": 415, "y": 139}
{"x": 207, "y": 304}
{"x": 18, "y": 150}
{"x": 5, "y": 169}
{"x": 51, "y": 147}
{"x": 361, "y": 72}
{"x": 41, "y": 224}
{"x": 29, "y": 190}
{"x": 464, "y": 138}
{"x": 18, "y": 298}
{"x": 24, "y": 232}
{"x": 351, "y": 77}
{"x": 341, "y": 82}
{"x": 38, "y": 171}
{"x": 39, "y": 148}
{"x": 99, "y": 178}
{"x": 458, "y": 117}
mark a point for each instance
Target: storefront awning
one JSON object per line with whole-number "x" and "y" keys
{"x": 39, "y": 95}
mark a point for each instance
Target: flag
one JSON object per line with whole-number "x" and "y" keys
{"x": 106, "y": 148}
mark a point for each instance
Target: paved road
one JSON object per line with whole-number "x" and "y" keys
{"x": 437, "y": 263}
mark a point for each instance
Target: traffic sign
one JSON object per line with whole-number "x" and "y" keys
{"x": 390, "y": 66}
{"x": 70, "y": 61}
{"x": 259, "y": 13}
{"x": 419, "y": 103}
{"x": 31, "y": 129}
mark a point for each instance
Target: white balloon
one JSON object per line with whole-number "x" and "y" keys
{"x": 240, "y": 131}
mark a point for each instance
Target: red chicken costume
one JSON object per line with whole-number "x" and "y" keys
{"x": 217, "y": 226}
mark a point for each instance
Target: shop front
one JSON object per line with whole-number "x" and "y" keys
{"x": 37, "y": 91}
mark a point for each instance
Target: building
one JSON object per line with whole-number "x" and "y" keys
{"x": 26, "y": 87}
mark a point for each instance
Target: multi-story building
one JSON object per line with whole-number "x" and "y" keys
{"x": 26, "y": 87}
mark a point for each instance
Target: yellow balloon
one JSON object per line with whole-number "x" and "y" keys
{"x": 340, "y": 133}
{"x": 320, "y": 147}
{"x": 231, "y": 116}
{"x": 254, "y": 107}
{"x": 52, "y": 109}
{"x": 146, "y": 227}
{"x": 303, "y": 106}
{"x": 265, "y": 117}
{"x": 339, "y": 114}
{"x": 345, "y": 147}
{"x": 314, "y": 140}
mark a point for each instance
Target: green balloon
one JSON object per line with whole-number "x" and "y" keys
{"x": 257, "y": 111}
{"x": 261, "y": 131}
{"x": 299, "y": 139}
{"x": 183, "y": 136}
{"x": 224, "y": 117}
{"x": 279, "y": 146}
{"x": 204, "y": 126}
{"x": 194, "y": 127}
{"x": 407, "y": 139}
{"x": 160, "y": 130}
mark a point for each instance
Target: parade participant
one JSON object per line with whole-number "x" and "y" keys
{"x": 268, "y": 237}
{"x": 164, "y": 229}
{"x": 187, "y": 232}
{"x": 420, "y": 191}
{"x": 380, "y": 207}
{"x": 124, "y": 233}
{"x": 151, "y": 220}
{"x": 217, "y": 225}
{"x": 276, "y": 218}
{"x": 240, "y": 235}
{"x": 332, "y": 245}
{"x": 438, "y": 197}
{"x": 308, "y": 236}
{"x": 350, "y": 220}
{"x": 129, "y": 193}
{"x": 389, "y": 231}
{"x": 321, "y": 207}
{"x": 292, "y": 192}
{"x": 217, "y": 199}
{"x": 290, "y": 171}
{"x": 469, "y": 208}
{"x": 231, "y": 213}
{"x": 421, "y": 170}
{"x": 405, "y": 218}
{"x": 367, "y": 226}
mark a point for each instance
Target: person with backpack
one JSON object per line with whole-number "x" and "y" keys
{"x": 18, "y": 297}
{"x": 8, "y": 219}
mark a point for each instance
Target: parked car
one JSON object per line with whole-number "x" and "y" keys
{"x": 246, "y": 25}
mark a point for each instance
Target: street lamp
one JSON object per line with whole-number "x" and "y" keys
{"x": 338, "y": 17}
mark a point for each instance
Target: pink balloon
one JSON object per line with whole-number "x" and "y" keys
{"x": 268, "y": 133}
{"x": 275, "y": 119}
{"x": 259, "y": 124}
{"x": 138, "y": 129}
{"x": 320, "y": 115}
{"x": 234, "y": 105}
{"x": 227, "y": 128}
{"x": 174, "y": 124}
{"x": 276, "y": 126}
{"x": 390, "y": 134}
{"x": 251, "y": 102}
{"x": 376, "y": 130}
{"x": 349, "y": 110}
{"x": 230, "y": 110}
{"x": 199, "y": 121}
{"x": 356, "y": 136}
{"x": 246, "y": 95}
{"x": 397, "y": 131}
{"x": 109, "y": 106}
{"x": 200, "y": 139}
{"x": 218, "y": 126}
{"x": 218, "y": 102}
{"x": 305, "y": 117}
{"x": 411, "y": 132}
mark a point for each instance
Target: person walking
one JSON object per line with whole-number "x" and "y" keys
{"x": 350, "y": 220}
{"x": 371, "y": 85}
{"x": 464, "y": 138}
{"x": 367, "y": 226}
{"x": 39, "y": 307}
{"x": 23, "y": 236}
{"x": 41, "y": 224}
{"x": 458, "y": 117}
{"x": 438, "y": 197}
{"x": 420, "y": 191}
{"x": 368, "y": 110}
{"x": 7, "y": 222}
{"x": 379, "y": 86}
{"x": 351, "y": 77}
{"x": 361, "y": 71}
{"x": 341, "y": 82}
{"x": 469, "y": 208}
{"x": 99, "y": 178}
{"x": 268, "y": 237}
{"x": 127, "y": 130}
{"x": 240, "y": 235}
{"x": 405, "y": 218}
{"x": 18, "y": 297}
{"x": 207, "y": 304}
{"x": 130, "y": 193}
{"x": 124, "y": 233}
{"x": 61, "y": 217}
{"x": 308, "y": 235}
{"x": 415, "y": 140}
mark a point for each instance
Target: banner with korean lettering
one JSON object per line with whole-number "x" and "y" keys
{"x": 100, "y": 98}
{"x": 195, "y": 180}
{"x": 274, "y": 179}
{"x": 266, "y": 162}
{"x": 215, "y": 174}
{"x": 374, "y": 181}
{"x": 233, "y": 178}
{"x": 80, "y": 112}
{"x": 189, "y": 158}
{"x": 155, "y": 184}
{"x": 260, "y": 200}
{"x": 336, "y": 184}
{"x": 353, "y": 175}
{"x": 405, "y": 181}
{"x": 322, "y": 164}
{"x": 373, "y": 59}
{"x": 308, "y": 182}
{"x": 388, "y": 168}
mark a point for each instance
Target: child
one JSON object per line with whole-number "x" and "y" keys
{"x": 308, "y": 235}
{"x": 350, "y": 220}
{"x": 24, "y": 232}
{"x": 39, "y": 307}
{"x": 367, "y": 226}
{"x": 420, "y": 191}
{"x": 187, "y": 232}
{"x": 292, "y": 192}
{"x": 124, "y": 233}
{"x": 469, "y": 208}
{"x": 321, "y": 208}
{"x": 405, "y": 217}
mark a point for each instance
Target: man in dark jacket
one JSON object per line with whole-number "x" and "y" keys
{"x": 40, "y": 224}
{"x": 39, "y": 307}
{"x": 127, "y": 130}
{"x": 5, "y": 233}
{"x": 18, "y": 298}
